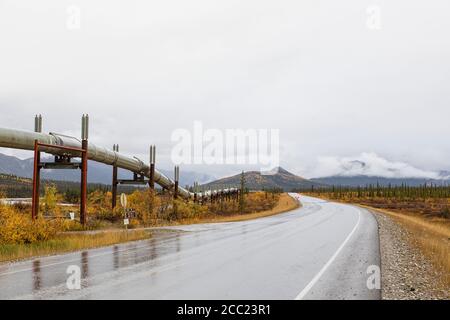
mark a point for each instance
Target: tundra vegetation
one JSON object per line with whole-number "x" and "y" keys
{"x": 54, "y": 232}
{"x": 423, "y": 211}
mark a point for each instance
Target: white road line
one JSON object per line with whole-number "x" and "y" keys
{"x": 305, "y": 291}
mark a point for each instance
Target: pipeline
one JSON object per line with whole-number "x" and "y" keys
{"x": 24, "y": 140}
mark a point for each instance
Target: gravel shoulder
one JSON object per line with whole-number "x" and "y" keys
{"x": 406, "y": 273}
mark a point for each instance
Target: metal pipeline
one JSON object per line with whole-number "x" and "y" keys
{"x": 24, "y": 140}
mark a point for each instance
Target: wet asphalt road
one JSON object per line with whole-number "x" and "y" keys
{"x": 320, "y": 251}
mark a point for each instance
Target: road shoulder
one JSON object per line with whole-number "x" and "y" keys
{"x": 348, "y": 275}
{"x": 406, "y": 272}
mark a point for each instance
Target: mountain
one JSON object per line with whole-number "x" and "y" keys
{"x": 362, "y": 180}
{"x": 101, "y": 173}
{"x": 13, "y": 165}
{"x": 445, "y": 175}
{"x": 370, "y": 168}
{"x": 97, "y": 172}
{"x": 282, "y": 179}
{"x": 359, "y": 171}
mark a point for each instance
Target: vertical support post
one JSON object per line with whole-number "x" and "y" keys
{"x": 151, "y": 181}
{"x": 36, "y": 178}
{"x": 84, "y": 164}
{"x": 38, "y": 123}
{"x": 114, "y": 180}
{"x": 176, "y": 178}
{"x": 195, "y": 192}
{"x": 36, "y": 169}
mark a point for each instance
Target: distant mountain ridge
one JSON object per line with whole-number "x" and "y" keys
{"x": 372, "y": 165}
{"x": 100, "y": 173}
{"x": 370, "y": 168}
{"x": 254, "y": 180}
{"x": 355, "y": 181}
{"x": 97, "y": 172}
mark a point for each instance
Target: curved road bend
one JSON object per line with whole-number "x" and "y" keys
{"x": 319, "y": 251}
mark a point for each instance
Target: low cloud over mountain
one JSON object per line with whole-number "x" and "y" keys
{"x": 372, "y": 165}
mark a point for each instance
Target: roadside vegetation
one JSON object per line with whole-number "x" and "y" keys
{"x": 54, "y": 232}
{"x": 285, "y": 203}
{"x": 65, "y": 242}
{"x": 423, "y": 211}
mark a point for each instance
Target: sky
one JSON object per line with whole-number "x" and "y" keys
{"x": 341, "y": 80}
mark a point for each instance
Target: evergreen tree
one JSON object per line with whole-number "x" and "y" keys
{"x": 242, "y": 192}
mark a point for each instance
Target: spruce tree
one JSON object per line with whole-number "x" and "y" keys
{"x": 242, "y": 192}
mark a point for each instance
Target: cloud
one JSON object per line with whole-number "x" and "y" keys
{"x": 369, "y": 164}
{"x": 143, "y": 69}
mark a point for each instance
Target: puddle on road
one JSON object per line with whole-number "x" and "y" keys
{"x": 34, "y": 276}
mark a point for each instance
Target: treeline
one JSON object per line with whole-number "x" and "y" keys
{"x": 390, "y": 192}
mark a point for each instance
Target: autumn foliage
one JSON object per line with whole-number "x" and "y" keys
{"x": 145, "y": 208}
{"x": 17, "y": 227}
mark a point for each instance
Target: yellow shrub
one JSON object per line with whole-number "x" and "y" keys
{"x": 133, "y": 224}
{"x": 254, "y": 202}
{"x": 145, "y": 203}
{"x": 100, "y": 198}
{"x": 181, "y": 210}
{"x": 51, "y": 199}
{"x": 19, "y": 228}
{"x": 99, "y": 207}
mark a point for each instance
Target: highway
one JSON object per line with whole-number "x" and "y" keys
{"x": 319, "y": 251}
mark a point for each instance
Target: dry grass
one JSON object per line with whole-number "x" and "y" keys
{"x": 431, "y": 236}
{"x": 69, "y": 242}
{"x": 429, "y": 207}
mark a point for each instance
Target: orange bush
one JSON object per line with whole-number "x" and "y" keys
{"x": 145, "y": 203}
{"x": 182, "y": 210}
{"x": 16, "y": 228}
{"x": 99, "y": 207}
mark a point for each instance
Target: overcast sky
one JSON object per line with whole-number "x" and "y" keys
{"x": 337, "y": 87}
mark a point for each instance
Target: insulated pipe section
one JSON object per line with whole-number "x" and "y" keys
{"x": 22, "y": 139}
